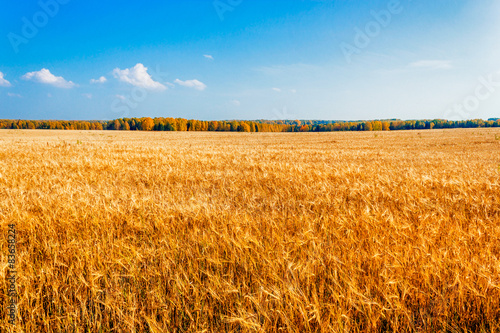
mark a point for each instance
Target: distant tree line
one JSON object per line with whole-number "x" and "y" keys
{"x": 181, "y": 124}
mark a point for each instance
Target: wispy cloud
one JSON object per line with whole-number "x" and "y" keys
{"x": 14, "y": 95}
{"x": 195, "y": 84}
{"x": 208, "y": 56}
{"x": 432, "y": 64}
{"x": 102, "y": 79}
{"x": 4, "y": 82}
{"x": 277, "y": 89}
{"x": 89, "y": 96}
{"x": 46, "y": 77}
{"x": 138, "y": 76}
{"x": 236, "y": 102}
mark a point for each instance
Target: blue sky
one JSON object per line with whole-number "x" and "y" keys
{"x": 250, "y": 59}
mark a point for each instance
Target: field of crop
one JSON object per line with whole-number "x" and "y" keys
{"x": 233, "y": 232}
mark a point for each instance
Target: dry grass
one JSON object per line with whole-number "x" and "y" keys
{"x": 215, "y": 232}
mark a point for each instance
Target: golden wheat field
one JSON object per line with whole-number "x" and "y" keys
{"x": 257, "y": 232}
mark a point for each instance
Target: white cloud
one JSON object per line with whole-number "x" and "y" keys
{"x": 195, "y": 84}
{"x": 277, "y": 89}
{"x": 89, "y": 96}
{"x": 14, "y": 95}
{"x": 138, "y": 76}
{"x": 432, "y": 64}
{"x": 4, "y": 82}
{"x": 208, "y": 56}
{"x": 120, "y": 97}
{"x": 102, "y": 79}
{"x": 293, "y": 91}
{"x": 46, "y": 77}
{"x": 236, "y": 102}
